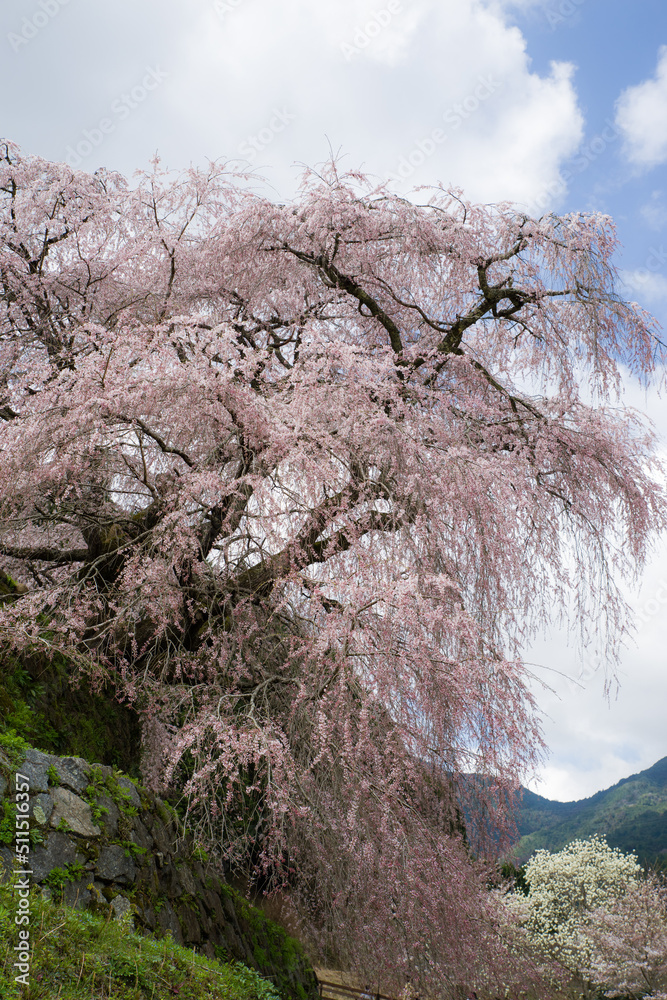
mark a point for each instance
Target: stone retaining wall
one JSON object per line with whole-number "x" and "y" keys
{"x": 98, "y": 840}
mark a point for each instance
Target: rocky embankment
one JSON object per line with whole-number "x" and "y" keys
{"x": 99, "y": 840}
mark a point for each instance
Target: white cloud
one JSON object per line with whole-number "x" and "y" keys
{"x": 649, "y": 286}
{"x": 641, "y": 115}
{"x": 453, "y": 69}
{"x": 654, "y": 212}
{"x": 519, "y": 4}
{"x": 371, "y": 78}
{"x": 594, "y": 742}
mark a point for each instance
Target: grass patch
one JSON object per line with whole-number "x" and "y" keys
{"x": 78, "y": 955}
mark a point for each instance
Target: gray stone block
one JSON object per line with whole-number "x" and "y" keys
{"x": 113, "y": 865}
{"x": 77, "y": 894}
{"x": 140, "y": 835}
{"x": 41, "y": 808}
{"x": 38, "y": 758}
{"x": 109, "y": 819}
{"x": 58, "y": 851}
{"x": 6, "y": 863}
{"x": 161, "y": 837}
{"x": 147, "y": 916}
{"x": 175, "y": 883}
{"x": 129, "y": 787}
{"x": 228, "y": 907}
{"x": 73, "y": 773}
{"x": 212, "y": 900}
{"x": 187, "y": 880}
{"x": 97, "y": 899}
{"x": 147, "y": 879}
{"x": 34, "y": 774}
{"x": 74, "y": 811}
{"x": 122, "y": 907}
{"x": 204, "y": 919}
{"x": 189, "y": 921}
{"x": 168, "y": 921}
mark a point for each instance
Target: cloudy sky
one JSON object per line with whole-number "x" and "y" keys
{"x": 555, "y": 104}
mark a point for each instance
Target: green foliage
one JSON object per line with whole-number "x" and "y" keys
{"x": 14, "y": 746}
{"x": 58, "y": 878}
{"x": 632, "y": 814}
{"x": 272, "y": 946}
{"x": 131, "y": 849}
{"x": 36, "y": 837}
{"x": 97, "y": 811}
{"x": 199, "y": 854}
{"x": 78, "y": 955}
{"x": 516, "y": 877}
{"x": 53, "y": 776}
{"x": 110, "y": 785}
{"x": 19, "y": 692}
{"x": 254, "y": 983}
{"x": 92, "y": 792}
{"x": 120, "y": 796}
{"x": 40, "y": 703}
{"x": 7, "y": 822}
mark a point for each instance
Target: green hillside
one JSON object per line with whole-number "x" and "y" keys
{"x": 632, "y": 814}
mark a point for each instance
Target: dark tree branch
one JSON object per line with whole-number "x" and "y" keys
{"x": 160, "y": 442}
{"x": 44, "y": 553}
{"x": 336, "y": 279}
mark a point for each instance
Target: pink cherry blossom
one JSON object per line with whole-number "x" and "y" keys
{"x": 300, "y": 481}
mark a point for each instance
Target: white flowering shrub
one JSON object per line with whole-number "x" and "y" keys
{"x": 591, "y": 910}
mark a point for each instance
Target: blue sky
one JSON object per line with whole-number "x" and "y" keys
{"x": 614, "y": 45}
{"x": 556, "y": 104}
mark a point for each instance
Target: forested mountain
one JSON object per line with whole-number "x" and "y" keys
{"x": 632, "y": 814}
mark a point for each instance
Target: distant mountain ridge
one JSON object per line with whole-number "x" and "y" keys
{"x": 632, "y": 814}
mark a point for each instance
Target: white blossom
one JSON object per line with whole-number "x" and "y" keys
{"x": 591, "y": 910}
